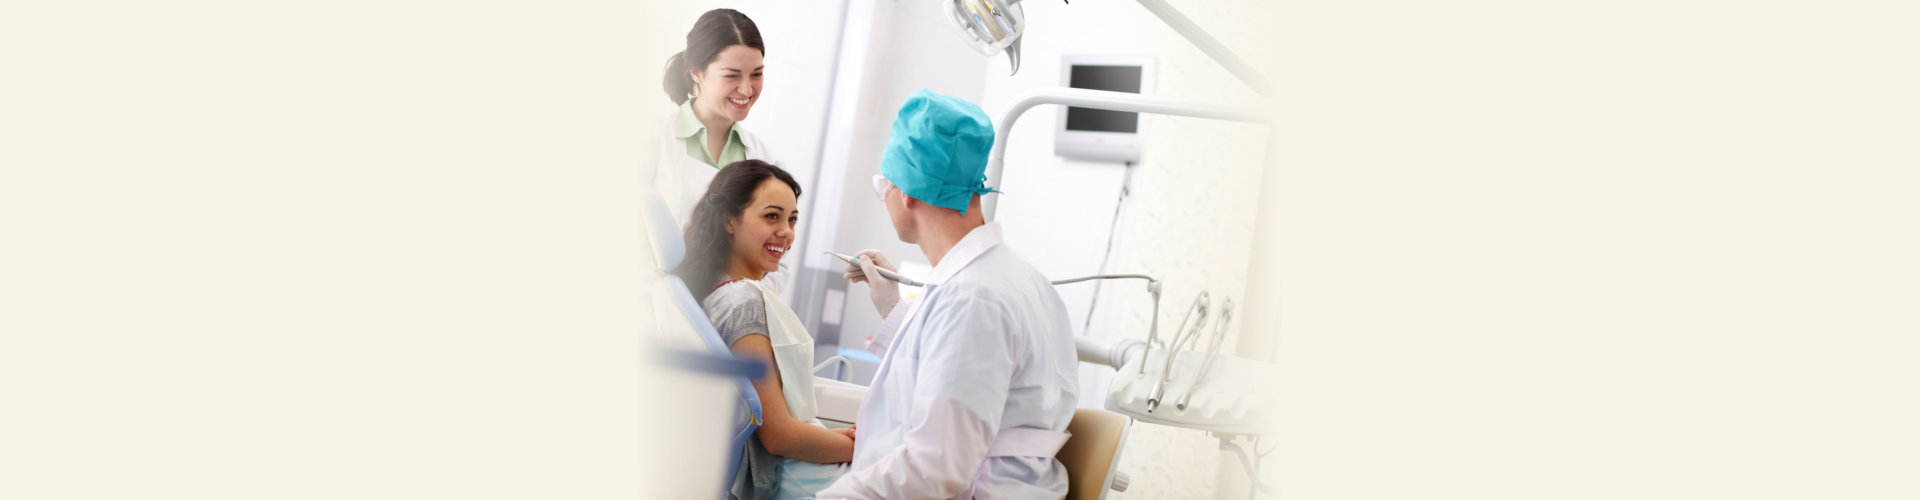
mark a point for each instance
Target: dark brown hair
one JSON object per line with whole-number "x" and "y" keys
{"x": 708, "y": 242}
{"x": 715, "y": 31}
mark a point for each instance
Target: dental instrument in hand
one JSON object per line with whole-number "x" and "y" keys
{"x": 884, "y": 272}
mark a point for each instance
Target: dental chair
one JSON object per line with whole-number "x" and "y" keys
{"x": 1092, "y": 454}
{"x": 672, "y": 250}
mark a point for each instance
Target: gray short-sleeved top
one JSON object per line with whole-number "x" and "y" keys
{"x": 737, "y": 310}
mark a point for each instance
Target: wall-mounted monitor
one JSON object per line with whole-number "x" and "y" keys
{"x": 1098, "y": 134}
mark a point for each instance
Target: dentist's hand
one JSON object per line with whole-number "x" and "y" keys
{"x": 885, "y": 292}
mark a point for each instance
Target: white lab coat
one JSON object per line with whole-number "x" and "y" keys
{"x": 681, "y": 179}
{"x": 975, "y": 393}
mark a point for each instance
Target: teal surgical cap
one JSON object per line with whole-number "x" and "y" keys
{"x": 938, "y": 150}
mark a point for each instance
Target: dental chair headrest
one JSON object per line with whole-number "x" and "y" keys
{"x": 666, "y": 234}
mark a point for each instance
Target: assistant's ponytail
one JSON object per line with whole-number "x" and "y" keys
{"x": 678, "y": 84}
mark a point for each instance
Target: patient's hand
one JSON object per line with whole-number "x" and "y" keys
{"x": 848, "y": 432}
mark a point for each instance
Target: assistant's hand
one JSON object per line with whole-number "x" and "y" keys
{"x": 885, "y": 292}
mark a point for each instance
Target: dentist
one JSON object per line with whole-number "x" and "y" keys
{"x": 974, "y": 394}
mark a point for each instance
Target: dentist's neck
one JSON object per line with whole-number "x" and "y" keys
{"x": 944, "y": 228}
{"x": 936, "y": 245}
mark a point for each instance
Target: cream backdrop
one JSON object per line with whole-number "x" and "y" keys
{"x": 1623, "y": 250}
{"x": 388, "y": 250}
{"x": 331, "y": 250}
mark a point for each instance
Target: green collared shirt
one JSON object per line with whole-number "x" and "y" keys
{"x": 688, "y": 128}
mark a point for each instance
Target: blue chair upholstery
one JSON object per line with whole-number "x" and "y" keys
{"x": 667, "y": 241}
{"x": 672, "y": 250}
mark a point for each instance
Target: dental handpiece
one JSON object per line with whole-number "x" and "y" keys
{"x": 1200, "y": 304}
{"x": 884, "y": 272}
{"x": 1219, "y": 337}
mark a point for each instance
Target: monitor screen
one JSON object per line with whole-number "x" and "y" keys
{"x": 1109, "y": 78}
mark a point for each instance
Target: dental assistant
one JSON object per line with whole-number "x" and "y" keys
{"x": 975, "y": 391}
{"x": 716, "y": 82}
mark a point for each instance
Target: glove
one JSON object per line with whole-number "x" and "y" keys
{"x": 884, "y": 292}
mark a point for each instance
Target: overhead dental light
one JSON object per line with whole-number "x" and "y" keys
{"x": 990, "y": 26}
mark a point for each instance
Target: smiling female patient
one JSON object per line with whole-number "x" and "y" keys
{"x": 737, "y": 234}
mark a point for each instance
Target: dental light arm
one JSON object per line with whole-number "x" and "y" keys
{"x": 994, "y": 26}
{"x": 1095, "y": 99}
{"x": 1207, "y": 44}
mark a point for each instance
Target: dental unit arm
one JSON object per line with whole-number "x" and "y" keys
{"x": 1152, "y": 329}
{"x": 1228, "y": 397}
{"x": 1176, "y": 359}
{"x": 1223, "y": 394}
{"x": 1095, "y": 99}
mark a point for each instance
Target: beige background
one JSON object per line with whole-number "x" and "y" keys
{"x": 387, "y": 250}
{"x": 1623, "y": 250}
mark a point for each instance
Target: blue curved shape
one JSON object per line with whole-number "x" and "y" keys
{"x": 749, "y": 399}
{"x": 666, "y": 234}
{"x": 861, "y": 355}
{"x": 710, "y": 364}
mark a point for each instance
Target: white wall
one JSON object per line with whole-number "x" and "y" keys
{"x": 1188, "y": 218}
{"x": 908, "y": 48}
